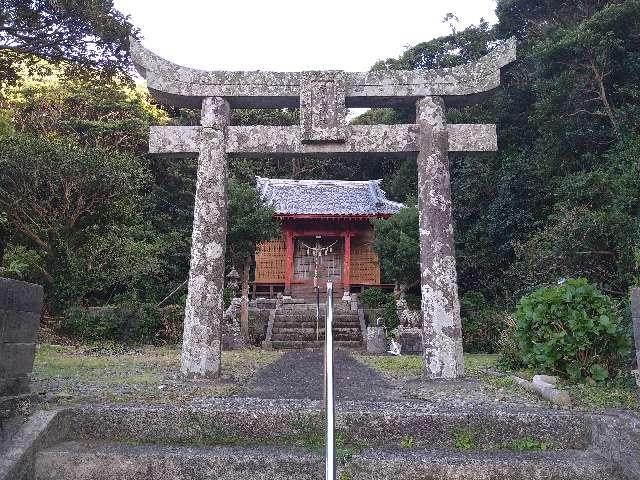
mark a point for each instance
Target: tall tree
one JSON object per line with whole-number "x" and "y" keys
{"x": 78, "y": 210}
{"x": 85, "y": 36}
{"x": 249, "y": 222}
{"x": 397, "y": 244}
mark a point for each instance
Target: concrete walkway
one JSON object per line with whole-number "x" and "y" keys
{"x": 299, "y": 374}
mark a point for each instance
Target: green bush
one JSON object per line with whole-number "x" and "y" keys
{"x": 129, "y": 323}
{"x": 572, "y": 329}
{"x": 373, "y": 298}
{"x": 413, "y": 301}
{"x": 482, "y": 324}
{"x": 90, "y": 327}
{"x": 390, "y": 315}
{"x": 227, "y": 295}
{"x": 172, "y": 317}
{"x": 508, "y": 346}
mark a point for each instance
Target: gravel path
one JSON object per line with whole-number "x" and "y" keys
{"x": 299, "y": 374}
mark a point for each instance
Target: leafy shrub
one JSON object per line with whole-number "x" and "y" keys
{"x": 390, "y": 315}
{"x": 136, "y": 323}
{"x": 172, "y": 318}
{"x": 227, "y": 295}
{"x": 482, "y": 324}
{"x": 509, "y": 347}
{"x": 373, "y": 298}
{"x": 413, "y": 301}
{"x": 571, "y": 329}
{"x": 89, "y": 327}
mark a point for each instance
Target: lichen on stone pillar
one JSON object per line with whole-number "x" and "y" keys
{"x": 202, "y": 340}
{"x": 442, "y": 328}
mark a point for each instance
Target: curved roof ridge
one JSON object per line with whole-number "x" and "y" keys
{"x": 326, "y": 197}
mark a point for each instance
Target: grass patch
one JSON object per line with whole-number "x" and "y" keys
{"x": 617, "y": 393}
{"x": 407, "y": 442}
{"x": 526, "y": 444}
{"x": 464, "y": 440}
{"x": 148, "y": 374}
{"x": 411, "y": 366}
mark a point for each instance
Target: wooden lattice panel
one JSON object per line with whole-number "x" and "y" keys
{"x": 365, "y": 267}
{"x": 270, "y": 260}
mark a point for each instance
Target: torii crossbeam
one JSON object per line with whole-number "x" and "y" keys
{"x": 323, "y": 98}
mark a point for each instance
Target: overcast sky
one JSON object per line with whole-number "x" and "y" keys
{"x": 293, "y": 35}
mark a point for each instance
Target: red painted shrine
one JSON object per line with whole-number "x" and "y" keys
{"x": 330, "y": 216}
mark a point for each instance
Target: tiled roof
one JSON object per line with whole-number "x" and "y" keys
{"x": 325, "y": 197}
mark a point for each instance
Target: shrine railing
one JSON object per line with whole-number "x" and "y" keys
{"x": 329, "y": 452}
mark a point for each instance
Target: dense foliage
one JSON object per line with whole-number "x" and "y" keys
{"x": 249, "y": 222}
{"x": 384, "y": 304}
{"x": 398, "y": 246}
{"x": 482, "y": 324}
{"x": 561, "y": 198}
{"x": 85, "y": 212}
{"x": 572, "y": 329}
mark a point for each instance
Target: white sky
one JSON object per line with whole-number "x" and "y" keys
{"x": 293, "y": 35}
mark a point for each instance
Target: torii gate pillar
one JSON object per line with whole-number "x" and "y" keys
{"x": 442, "y": 327}
{"x": 202, "y": 338}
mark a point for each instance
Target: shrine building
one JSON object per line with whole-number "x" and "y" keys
{"x": 331, "y": 217}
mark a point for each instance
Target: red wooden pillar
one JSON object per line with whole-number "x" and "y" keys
{"x": 346, "y": 265}
{"x": 288, "y": 262}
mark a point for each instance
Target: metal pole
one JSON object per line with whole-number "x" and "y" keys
{"x": 317, "y": 289}
{"x": 329, "y": 449}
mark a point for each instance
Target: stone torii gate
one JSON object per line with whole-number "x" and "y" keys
{"x": 323, "y": 97}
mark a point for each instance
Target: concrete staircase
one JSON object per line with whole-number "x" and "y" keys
{"x": 294, "y": 326}
{"x": 233, "y": 439}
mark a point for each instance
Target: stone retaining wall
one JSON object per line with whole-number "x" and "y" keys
{"x": 20, "y": 306}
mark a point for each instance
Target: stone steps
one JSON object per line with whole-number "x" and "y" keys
{"x": 111, "y": 461}
{"x": 345, "y": 340}
{"x": 294, "y": 326}
{"x": 452, "y": 464}
{"x": 301, "y": 344}
{"x": 240, "y": 438}
{"x": 303, "y": 330}
{"x": 311, "y": 323}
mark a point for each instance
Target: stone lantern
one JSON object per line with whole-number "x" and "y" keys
{"x": 233, "y": 281}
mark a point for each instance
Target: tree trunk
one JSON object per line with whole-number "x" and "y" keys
{"x": 602, "y": 93}
{"x": 244, "y": 305}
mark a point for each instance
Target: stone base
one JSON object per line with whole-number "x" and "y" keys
{"x": 232, "y": 342}
{"x": 410, "y": 338}
{"x": 376, "y": 340}
{"x": 15, "y": 385}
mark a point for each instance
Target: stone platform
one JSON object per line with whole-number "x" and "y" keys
{"x": 282, "y": 439}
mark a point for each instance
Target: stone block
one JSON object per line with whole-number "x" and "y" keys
{"x": 410, "y": 338}
{"x": 20, "y": 296}
{"x": 322, "y": 107}
{"x": 376, "y": 340}
{"x": 18, "y": 326}
{"x": 16, "y": 359}
{"x": 15, "y": 385}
